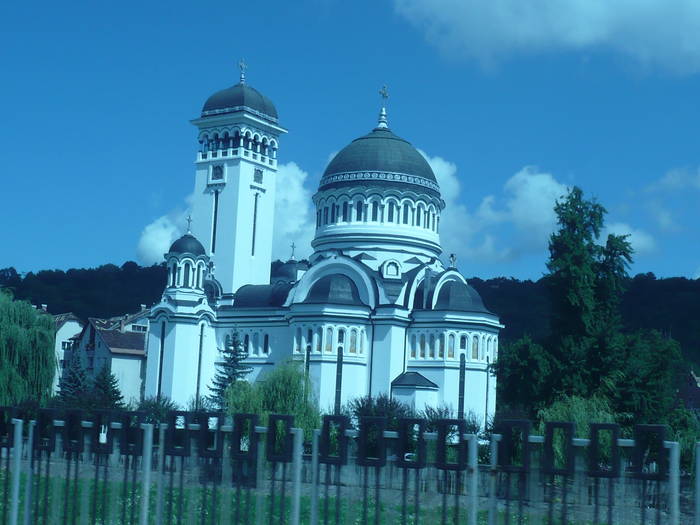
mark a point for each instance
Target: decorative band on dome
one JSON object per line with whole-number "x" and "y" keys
{"x": 379, "y": 175}
{"x": 233, "y": 109}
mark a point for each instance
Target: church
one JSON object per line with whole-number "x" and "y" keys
{"x": 375, "y": 310}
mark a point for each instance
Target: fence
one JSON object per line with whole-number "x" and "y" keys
{"x": 205, "y": 468}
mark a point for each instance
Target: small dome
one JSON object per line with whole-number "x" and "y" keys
{"x": 334, "y": 289}
{"x": 187, "y": 244}
{"x": 456, "y": 295}
{"x": 380, "y": 158}
{"x": 261, "y": 295}
{"x": 238, "y": 98}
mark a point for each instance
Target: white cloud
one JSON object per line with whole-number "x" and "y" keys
{"x": 157, "y": 237}
{"x": 663, "y": 217}
{"x": 651, "y": 32}
{"x": 526, "y": 206}
{"x": 677, "y": 179}
{"x": 641, "y": 241}
{"x": 294, "y": 213}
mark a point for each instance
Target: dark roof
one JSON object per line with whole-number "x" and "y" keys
{"x": 394, "y": 161}
{"x": 261, "y": 295}
{"x": 413, "y": 379}
{"x": 334, "y": 289}
{"x": 238, "y": 98}
{"x": 455, "y": 295}
{"x": 287, "y": 272}
{"x": 124, "y": 342}
{"x": 187, "y": 244}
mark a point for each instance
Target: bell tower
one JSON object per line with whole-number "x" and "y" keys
{"x": 236, "y": 176}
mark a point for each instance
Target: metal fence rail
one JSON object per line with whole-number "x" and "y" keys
{"x": 207, "y": 468}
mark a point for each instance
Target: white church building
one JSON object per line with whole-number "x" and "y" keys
{"x": 374, "y": 311}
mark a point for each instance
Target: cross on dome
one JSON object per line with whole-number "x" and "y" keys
{"x": 243, "y": 67}
{"x": 189, "y": 224}
{"x": 453, "y": 260}
{"x": 293, "y": 247}
{"x": 383, "y": 122}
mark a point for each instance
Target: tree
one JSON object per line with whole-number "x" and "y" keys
{"x": 381, "y": 405}
{"x": 105, "y": 391}
{"x": 156, "y": 408}
{"x": 230, "y": 369}
{"x": 74, "y": 388}
{"x": 27, "y": 357}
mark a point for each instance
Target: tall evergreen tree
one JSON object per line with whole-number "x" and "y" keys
{"x": 27, "y": 357}
{"x": 105, "y": 391}
{"x": 229, "y": 369}
{"x": 75, "y": 387}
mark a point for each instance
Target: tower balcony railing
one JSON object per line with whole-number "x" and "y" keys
{"x": 236, "y": 152}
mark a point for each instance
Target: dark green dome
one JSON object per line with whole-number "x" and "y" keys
{"x": 380, "y": 158}
{"x": 188, "y": 243}
{"x": 238, "y": 98}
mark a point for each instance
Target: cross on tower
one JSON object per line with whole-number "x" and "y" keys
{"x": 293, "y": 247}
{"x": 384, "y": 92}
{"x": 242, "y": 66}
{"x": 189, "y": 223}
{"x": 453, "y": 260}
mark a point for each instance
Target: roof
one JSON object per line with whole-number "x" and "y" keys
{"x": 239, "y": 98}
{"x": 287, "y": 272}
{"x": 412, "y": 379}
{"x": 124, "y": 342}
{"x": 188, "y": 243}
{"x": 455, "y": 295}
{"x": 334, "y": 289}
{"x": 61, "y": 319}
{"x": 380, "y": 158}
{"x": 261, "y": 295}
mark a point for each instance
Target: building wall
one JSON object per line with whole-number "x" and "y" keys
{"x": 63, "y": 341}
{"x": 129, "y": 374}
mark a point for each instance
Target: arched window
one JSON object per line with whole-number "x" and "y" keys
{"x": 414, "y": 345}
{"x": 353, "y": 341}
{"x": 333, "y": 212}
{"x": 358, "y": 211}
{"x": 325, "y": 215}
{"x": 318, "y": 218}
{"x": 463, "y": 342}
{"x": 309, "y": 339}
{"x": 362, "y": 342}
{"x": 297, "y": 341}
{"x": 375, "y": 211}
{"x": 345, "y": 212}
{"x": 419, "y": 210}
{"x": 319, "y": 337}
{"x": 432, "y": 346}
{"x": 246, "y": 344}
{"x": 186, "y": 279}
{"x": 441, "y": 347}
{"x": 451, "y": 347}
{"x": 390, "y": 212}
{"x": 405, "y": 213}
{"x": 329, "y": 340}
{"x": 173, "y": 275}
{"x": 256, "y": 343}
{"x": 266, "y": 344}
{"x": 475, "y": 348}
{"x": 422, "y": 346}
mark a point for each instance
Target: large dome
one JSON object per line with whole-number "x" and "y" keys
{"x": 188, "y": 243}
{"x": 238, "y": 98}
{"x": 380, "y": 158}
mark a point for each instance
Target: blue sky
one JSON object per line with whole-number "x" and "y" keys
{"x": 511, "y": 106}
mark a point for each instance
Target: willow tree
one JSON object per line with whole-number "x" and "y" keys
{"x": 27, "y": 358}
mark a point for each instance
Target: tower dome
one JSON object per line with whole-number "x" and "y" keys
{"x": 188, "y": 243}
{"x": 379, "y": 195}
{"x": 240, "y": 97}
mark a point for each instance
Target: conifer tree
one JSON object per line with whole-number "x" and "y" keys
{"x": 229, "y": 369}
{"x": 75, "y": 388}
{"x": 105, "y": 391}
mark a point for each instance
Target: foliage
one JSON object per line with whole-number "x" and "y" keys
{"x": 156, "y": 408}
{"x": 105, "y": 391}
{"x": 685, "y": 428}
{"x": 284, "y": 390}
{"x": 27, "y": 358}
{"x": 578, "y": 410}
{"x": 230, "y": 369}
{"x": 381, "y": 405}
{"x": 75, "y": 387}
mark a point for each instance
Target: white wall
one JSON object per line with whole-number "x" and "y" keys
{"x": 63, "y": 336}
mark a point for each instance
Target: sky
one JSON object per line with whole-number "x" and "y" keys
{"x": 511, "y": 102}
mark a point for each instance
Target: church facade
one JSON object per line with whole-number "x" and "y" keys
{"x": 375, "y": 310}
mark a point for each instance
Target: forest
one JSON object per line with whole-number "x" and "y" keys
{"x": 669, "y": 305}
